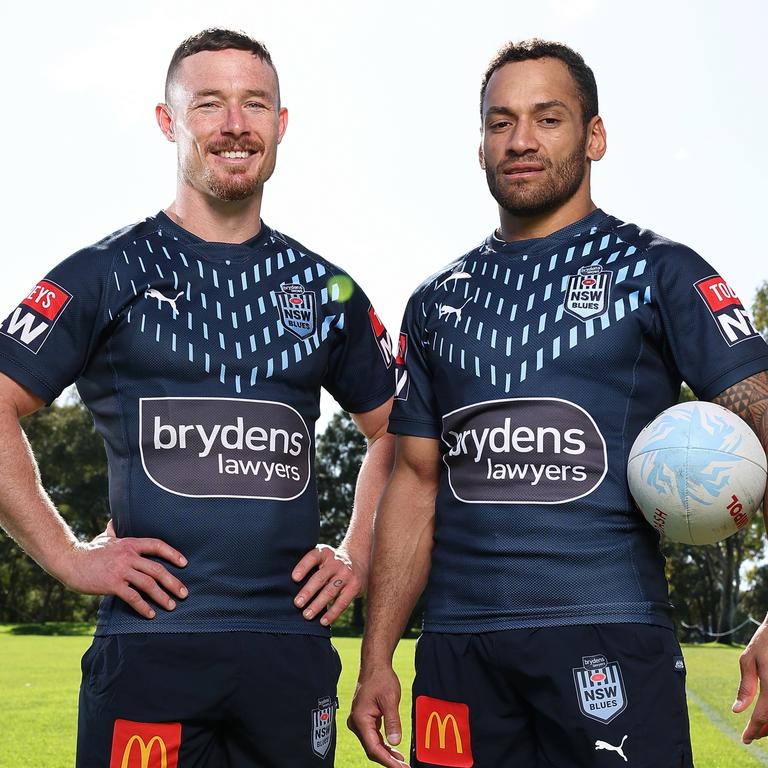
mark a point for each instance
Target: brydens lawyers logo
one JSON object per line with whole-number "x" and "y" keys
{"x": 383, "y": 341}
{"x": 402, "y": 384}
{"x": 442, "y": 733}
{"x": 32, "y": 321}
{"x": 535, "y": 450}
{"x": 145, "y": 745}
{"x": 726, "y": 309}
{"x": 224, "y": 447}
{"x": 600, "y": 688}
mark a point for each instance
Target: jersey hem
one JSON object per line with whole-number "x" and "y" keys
{"x": 195, "y": 629}
{"x": 26, "y": 378}
{"x": 413, "y": 428}
{"x": 634, "y": 617}
{"x": 734, "y": 376}
{"x": 372, "y": 402}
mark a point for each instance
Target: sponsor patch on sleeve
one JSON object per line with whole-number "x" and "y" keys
{"x": 726, "y": 309}
{"x": 383, "y": 341}
{"x": 32, "y": 321}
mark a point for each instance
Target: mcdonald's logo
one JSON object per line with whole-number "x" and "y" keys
{"x": 145, "y": 745}
{"x": 442, "y": 724}
{"x": 442, "y": 733}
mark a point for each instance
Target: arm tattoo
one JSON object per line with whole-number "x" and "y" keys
{"x": 749, "y": 399}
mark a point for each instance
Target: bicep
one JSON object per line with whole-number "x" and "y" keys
{"x": 417, "y": 462}
{"x": 16, "y": 399}
{"x": 373, "y": 424}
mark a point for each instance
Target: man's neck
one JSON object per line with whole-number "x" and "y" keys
{"x": 217, "y": 221}
{"x": 516, "y": 227}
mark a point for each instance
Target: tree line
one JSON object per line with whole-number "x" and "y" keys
{"x": 714, "y": 588}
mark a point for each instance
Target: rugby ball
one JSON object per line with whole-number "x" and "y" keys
{"x": 697, "y": 472}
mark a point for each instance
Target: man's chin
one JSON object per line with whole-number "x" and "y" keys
{"x": 231, "y": 190}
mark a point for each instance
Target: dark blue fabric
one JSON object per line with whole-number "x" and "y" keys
{"x": 548, "y": 357}
{"x": 206, "y": 393}
{"x": 242, "y": 700}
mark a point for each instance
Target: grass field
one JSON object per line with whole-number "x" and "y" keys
{"x": 39, "y": 678}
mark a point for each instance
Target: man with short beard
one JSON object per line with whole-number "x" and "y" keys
{"x": 525, "y": 370}
{"x": 199, "y": 340}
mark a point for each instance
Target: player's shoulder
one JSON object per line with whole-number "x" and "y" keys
{"x": 453, "y": 270}
{"x": 651, "y": 244}
{"x": 280, "y": 241}
{"x": 103, "y": 251}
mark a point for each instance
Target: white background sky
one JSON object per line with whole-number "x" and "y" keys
{"x": 378, "y": 170}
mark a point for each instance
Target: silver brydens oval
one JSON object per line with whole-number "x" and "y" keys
{"x": 224, "y": 447}
{"x": 535, "y": 450}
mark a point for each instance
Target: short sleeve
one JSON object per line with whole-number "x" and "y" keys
{"x": 708, "y": 333}
{"x": 360, "y": 375}
{"x": 414, "y": 411}
{"x": 47, "y": 340}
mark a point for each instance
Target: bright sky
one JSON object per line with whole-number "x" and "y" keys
{"x": 378, "y": 171}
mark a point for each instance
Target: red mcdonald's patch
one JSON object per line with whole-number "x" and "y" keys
{"x": 442, "y": 733}
{"x": 145, "y": 745}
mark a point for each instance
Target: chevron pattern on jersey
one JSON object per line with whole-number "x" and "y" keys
{"x": 524, "y": 315}
{"x": 220, "y": 312}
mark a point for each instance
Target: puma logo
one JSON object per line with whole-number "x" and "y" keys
{"x": 454, "y": 276}
{"x": 605, "y": 745}
{"x": 153, "y": 293}
{"x": 446, "y": 311}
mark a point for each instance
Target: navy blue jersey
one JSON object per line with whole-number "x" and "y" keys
{"x": 536, "y": 364}
{"x": 201, "y": 364}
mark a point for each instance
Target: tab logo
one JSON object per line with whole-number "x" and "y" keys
{"x": 442, "y": 733}
{"x": 726, "y": 310}
{"x": 383, "y": 341}
{"x": 145, "y": 745}
{"x": 32, "y": 321}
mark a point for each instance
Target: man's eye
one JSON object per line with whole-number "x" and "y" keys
{"x": 500, "y": 125}
{"x": 551, "y": 121}
{"x": 255, "y": 105}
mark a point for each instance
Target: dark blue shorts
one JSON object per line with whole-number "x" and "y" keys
{"x": 597, "y": 696}
{"x": 219, "y": 700}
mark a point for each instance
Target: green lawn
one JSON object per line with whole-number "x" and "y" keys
{"x": 39, "y": 677}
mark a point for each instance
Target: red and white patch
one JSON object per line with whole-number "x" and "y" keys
{"x": 32, "y": 321}
{"x": 402, "y": 384}
{"x": 383, "y": 341}
{"x": 442, "y": 733}
{"x": 145, "y": 745}
{"x": 48, "y": 299}
{"x": 726, "y": 309}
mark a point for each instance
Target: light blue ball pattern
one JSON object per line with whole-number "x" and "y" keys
{"x": 700, "y": 451}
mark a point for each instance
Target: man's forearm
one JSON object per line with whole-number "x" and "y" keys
{"x": 371, "y": 480}
{"x": 26, "y": 511}
{"x": 402, "y": 553}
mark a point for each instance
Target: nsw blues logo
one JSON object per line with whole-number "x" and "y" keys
{"x": 600, "y": 688}
{"x": 588, "y": 292}
{"x": 322, "y": 726}
{"x": 298, "y": 312}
